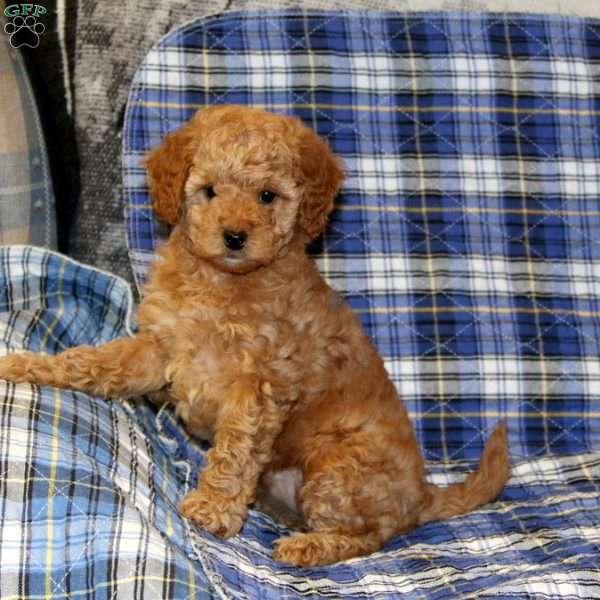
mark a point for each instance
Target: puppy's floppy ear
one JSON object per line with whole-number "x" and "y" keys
{"x": 322, "y": 175}
{"x": 168, "y": 167}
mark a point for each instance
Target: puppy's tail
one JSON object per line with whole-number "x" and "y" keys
{"x": 479, "y": 487}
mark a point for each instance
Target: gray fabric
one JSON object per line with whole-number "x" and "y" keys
{"x": 112, "y": 37}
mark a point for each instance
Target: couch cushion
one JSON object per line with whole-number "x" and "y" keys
{"x": 466, "y": 232}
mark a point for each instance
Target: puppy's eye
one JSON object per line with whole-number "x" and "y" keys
{"x": 267, "y": 197}
{"x": 209, "y": 190}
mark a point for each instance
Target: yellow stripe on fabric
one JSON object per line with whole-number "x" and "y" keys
{"x": 54, "y": 453}
{"x": 192, "y": 579}
{"x": 51, "y": 492}
{"x": 388, "y": 109}
{"x": 532, "y": 280}
{"x": 484, "y": 309}
{"x": 206, "y": 65}
{"x": 430, "y": 266}
{"x": 59, "y": 298}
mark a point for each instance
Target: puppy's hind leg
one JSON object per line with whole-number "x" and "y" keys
{"x": 123, "y": 367}
{"x": 351, "y": 505}
{"x": 324, "y": 547}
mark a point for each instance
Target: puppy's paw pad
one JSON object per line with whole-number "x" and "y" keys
{"x": 211, "y": 513}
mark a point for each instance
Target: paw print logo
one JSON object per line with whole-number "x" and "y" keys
{"x": 24, "y": 31}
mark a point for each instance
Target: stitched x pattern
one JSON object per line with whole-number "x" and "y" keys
{"x": 466, "y": 143}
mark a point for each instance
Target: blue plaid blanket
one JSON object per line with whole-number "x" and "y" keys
{"x": 466, "y": 234}
{"x": 466, "y": 237}
{"x": 89, "y": 489}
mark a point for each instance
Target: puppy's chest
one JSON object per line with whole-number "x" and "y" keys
{"x": 212, "y": 348}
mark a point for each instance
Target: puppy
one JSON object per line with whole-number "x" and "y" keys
{"x": 240, "y": 332}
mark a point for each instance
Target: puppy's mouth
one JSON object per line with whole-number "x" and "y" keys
{"x": 236, "y": 262}
{"x": 234, "y": 259}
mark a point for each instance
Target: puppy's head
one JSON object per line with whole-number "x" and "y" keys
{"x": 242, "y": 183}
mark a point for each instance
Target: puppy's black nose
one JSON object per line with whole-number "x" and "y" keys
{"x": 234, "y": 240}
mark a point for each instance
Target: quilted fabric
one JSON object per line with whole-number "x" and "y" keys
{"x": 466, "y": 234}
{"x": 89, "y": 489}
{"x": 78, "y": 495}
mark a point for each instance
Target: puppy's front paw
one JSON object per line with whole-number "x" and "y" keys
{"x": 213, "y": 513}
{"x": 15, "y": 367}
